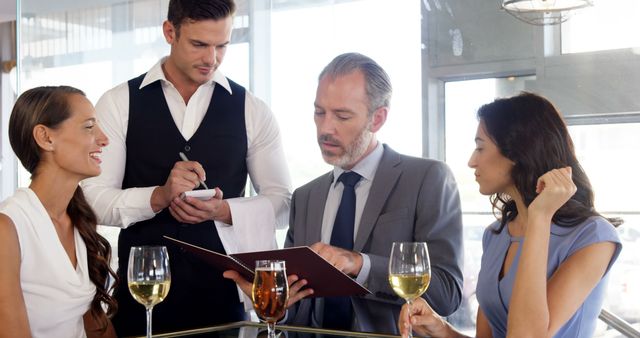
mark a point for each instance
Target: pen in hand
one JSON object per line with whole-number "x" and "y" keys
{"x": 184, "y": 158}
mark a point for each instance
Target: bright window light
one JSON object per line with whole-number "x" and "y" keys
{"x": 609, "y": 24}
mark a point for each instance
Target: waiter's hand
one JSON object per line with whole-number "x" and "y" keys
{"x": 295, "y": 284}
{"x": 184, "y": 176}
{"x": 349, "y": 262}
{"x": 191, "y": 210}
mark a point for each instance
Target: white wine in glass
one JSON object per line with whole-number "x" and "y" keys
{"x": 270, "y": 292}
{"x": 409, "y": 270}
{"x": 149, "y": 277}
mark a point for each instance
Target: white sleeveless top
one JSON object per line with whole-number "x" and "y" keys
{"x": 56, "y": 295}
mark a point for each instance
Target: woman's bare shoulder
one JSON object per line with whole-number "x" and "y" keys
{"x": 9, "y": 243}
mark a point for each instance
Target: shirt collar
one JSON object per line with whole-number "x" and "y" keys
{"x": 366, "y": 167}
{"x": 156, "y": 74}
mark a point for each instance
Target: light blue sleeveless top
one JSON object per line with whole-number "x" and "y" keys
{"x": 494, "y": 294}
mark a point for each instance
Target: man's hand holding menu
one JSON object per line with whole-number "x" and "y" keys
{"x": 349, "y": 262}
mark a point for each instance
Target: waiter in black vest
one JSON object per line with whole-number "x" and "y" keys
{"x": 185, "y": 104}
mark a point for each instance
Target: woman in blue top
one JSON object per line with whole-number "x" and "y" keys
{"x": 545, "y": 261}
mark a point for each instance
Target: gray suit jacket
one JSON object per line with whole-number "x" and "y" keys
{"x": 411, "y": 200}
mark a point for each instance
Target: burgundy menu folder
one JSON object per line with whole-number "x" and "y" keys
{"x": 322, "y": 277}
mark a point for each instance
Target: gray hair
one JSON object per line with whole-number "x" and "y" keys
{"x": 378, "y": 84}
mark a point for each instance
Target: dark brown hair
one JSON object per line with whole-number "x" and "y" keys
{"x": 49, "y": 106}
{"x": 197, "y": 10}
{"x": 530, "y": 132}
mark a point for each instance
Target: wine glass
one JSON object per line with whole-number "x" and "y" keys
{"x": 270, "y": 292}
{"x": 409, "y": 271}
{"x": 149, "y": 277}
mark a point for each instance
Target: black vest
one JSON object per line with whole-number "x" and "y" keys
{"x": 199, "y": 295}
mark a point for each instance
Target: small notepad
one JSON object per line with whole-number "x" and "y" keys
{"x": 200, "y": 194}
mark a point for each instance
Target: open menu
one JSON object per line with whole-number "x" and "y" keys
{"x": 322, "y": 277}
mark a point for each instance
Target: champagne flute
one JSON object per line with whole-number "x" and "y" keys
{"x": 409, "y": 271}
{"x": 270, "y": 292}
{"x": 149, "y": 277}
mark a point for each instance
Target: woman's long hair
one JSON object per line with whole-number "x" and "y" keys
{"x": 530, "y": 132}
{"x": 49, "y": 106}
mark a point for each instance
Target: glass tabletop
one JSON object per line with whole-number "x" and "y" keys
{"x": 248, "y": 329}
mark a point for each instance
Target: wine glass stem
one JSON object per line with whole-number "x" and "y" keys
{"x": 410, "y": 335}
{"x": 149, "y": 309}
{"x": 271, "y": 329}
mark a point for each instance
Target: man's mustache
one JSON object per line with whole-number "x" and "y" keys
{"x": 328, "y": 138}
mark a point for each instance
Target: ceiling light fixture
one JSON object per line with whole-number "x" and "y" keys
{"x": 544, "y": 12}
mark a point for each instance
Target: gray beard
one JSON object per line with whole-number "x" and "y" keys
{"x": 355, "y": 150}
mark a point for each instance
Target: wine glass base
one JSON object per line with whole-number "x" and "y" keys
{"x": 264, "y": 333}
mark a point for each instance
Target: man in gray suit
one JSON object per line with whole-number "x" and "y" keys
{"x": 397, "y": 199}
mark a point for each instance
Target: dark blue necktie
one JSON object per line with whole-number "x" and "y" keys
{"x": 337, "y": 310}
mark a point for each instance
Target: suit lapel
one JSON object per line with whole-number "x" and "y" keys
{"x": 385, "y": 179}
{"x": 315, "y": 208}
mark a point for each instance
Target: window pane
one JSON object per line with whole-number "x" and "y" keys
{"x": 606, "y": 153}
{"x": 306, "y": 38}
{"x": 474, "y": 225}
{"x": 623, "y": 291}
{"x": 609, "y": 24}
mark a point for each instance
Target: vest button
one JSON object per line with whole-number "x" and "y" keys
{"x": 187, "y": 148}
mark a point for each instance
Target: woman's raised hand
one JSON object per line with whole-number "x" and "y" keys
{"x": 554, "y": 189}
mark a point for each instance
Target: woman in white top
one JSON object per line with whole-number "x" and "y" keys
{"x": 54, "y": 266}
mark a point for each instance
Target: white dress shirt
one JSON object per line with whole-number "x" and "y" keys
{"x": 254, "y": 218}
